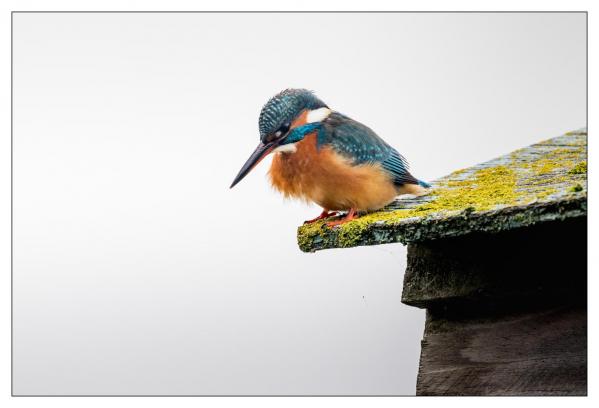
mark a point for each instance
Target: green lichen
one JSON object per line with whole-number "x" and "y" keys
{"x": 575, "y": 188}
{"x": 552, "y": 169}
{"x": 579, "y": 168}
{"x": 457, "y": 173}
{"x": 552, "y": 161}
{"x": 544, "y": 166}
{"x": 488, "y": 188}
{"x": 349, "y": 234}
{"x": 543, "y": 193}
{"x": 306, "y": 234}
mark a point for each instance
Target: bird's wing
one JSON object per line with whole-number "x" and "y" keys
{"x": 360, "y": 144}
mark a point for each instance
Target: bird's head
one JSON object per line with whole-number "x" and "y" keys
{"x": 285, "y": 119}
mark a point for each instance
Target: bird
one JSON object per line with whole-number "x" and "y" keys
{"x": 325, "y": 157}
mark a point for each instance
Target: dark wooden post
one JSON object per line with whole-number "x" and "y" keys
{"x": 506, "y": 312}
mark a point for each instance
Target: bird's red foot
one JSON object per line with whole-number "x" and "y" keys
{"x": 323, "y": 214}
{"x": 351, "y": 215}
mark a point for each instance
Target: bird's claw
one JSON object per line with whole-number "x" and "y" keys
{"x": 351, "y": 215}
{"x": 323, "y": 215}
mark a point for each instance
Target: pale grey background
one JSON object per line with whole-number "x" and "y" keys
{"x": 136, "y": 269}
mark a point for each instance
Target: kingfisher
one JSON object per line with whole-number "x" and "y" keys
{"x": 325, "y": 157}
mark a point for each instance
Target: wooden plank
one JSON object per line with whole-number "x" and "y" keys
{"x": 540, "y": 352}
{"x": 506, "y": 312}
{"x": 545, "y": 261}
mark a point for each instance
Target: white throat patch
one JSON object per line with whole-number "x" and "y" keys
{"x": 317, "y": 115}
{"x": 287, "y": 148}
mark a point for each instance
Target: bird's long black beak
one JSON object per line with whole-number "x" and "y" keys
{"x": 260, "y": 153}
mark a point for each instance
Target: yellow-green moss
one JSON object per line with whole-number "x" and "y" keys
{"x": 458, "y": 172}
{"x": 544, "y": 193}
{"x": 488, "y": 188}
{"x": 306, "y": 233}
{"x": 575, "y": 188}
{"x": 551, "y": 170}
{"x": 544, "y": 166}
{"x": 552, "y": 161}
{"x": 580, "y": 168}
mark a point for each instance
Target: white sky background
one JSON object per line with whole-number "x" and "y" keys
{"x": 136, "y": 269}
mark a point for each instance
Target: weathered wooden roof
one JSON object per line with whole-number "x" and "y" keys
{"x": 546, "y": 181}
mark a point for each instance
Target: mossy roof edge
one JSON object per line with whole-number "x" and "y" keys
{"x": 542, "y": 182}
{"x": 430, "y": 228}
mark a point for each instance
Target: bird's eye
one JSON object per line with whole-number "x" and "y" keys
{"x": 282, "y": 130}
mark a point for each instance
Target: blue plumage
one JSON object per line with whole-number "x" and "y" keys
{"x": 282, "y": 108}
{"x": 315, "y": 170}
{"x": 348, "y": 137}
{"x": 360, "y": 144}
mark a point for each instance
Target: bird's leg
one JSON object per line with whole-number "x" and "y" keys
{"x": 352, "y": 214}
{"x": 324, "y": 214}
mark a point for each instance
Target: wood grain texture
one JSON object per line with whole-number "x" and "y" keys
{"x": 542, "y": 182}
{"x": 540, "y": 352}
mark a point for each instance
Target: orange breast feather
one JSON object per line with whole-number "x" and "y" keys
{"x": 328, "y": 179}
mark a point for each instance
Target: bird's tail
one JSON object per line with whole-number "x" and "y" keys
{"x": 414, "y": 189}
{"x": 423, "y": 184}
